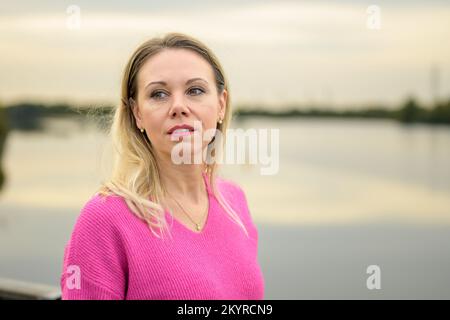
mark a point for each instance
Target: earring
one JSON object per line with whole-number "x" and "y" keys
{"x": 220, "y": 121}
{"x": 142, "y": 130}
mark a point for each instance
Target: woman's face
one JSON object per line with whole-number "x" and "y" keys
{"x": 175, "y": 87}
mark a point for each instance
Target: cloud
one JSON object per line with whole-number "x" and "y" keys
{"x": 311, "y": 45}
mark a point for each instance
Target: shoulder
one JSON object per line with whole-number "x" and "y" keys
{"x": 230, "y": 188}
{"x": 104, "y": 203}
{"x": 100, "y": 218}
{"x": 235, "y": 195}
{"x": 102, "y": 208}
{"x": 99, "y": 227}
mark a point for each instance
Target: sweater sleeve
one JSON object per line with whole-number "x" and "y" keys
{"x": 95, "y": 264}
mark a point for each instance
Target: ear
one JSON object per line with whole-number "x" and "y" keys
{"x": 136, "y": 113}
{"x": 223, "y": 103}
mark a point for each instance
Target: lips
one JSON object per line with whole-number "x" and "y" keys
{"x": 183, "y": 128}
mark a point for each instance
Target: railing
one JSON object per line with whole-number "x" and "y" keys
{"x": 18, "y": 290}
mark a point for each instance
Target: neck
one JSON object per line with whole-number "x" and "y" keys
{"x": 184, "y": 180}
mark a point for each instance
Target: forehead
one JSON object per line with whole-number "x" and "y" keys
{"x": 175, "y": 65}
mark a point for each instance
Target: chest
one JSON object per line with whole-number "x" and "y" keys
{"x": 216, "y": 265}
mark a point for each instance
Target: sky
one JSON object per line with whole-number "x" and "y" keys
{"x": 275, "y": 53}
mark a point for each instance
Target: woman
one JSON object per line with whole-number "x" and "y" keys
{"x": 158, "y": 228}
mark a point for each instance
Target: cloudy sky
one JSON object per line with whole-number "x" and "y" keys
{"x": 274, "y": 52}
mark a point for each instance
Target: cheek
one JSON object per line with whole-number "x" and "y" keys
{"x": 210, "y": 130}
{"x": 209, "y": 117}
{"x": 154, "y": 124}
{"x": 210, "y": 123}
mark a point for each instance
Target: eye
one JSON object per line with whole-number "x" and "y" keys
{"x": 196, "y": 91}
{"x": 157, "y": 95}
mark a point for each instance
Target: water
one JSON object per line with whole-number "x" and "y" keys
{"x": 348, "y": 194}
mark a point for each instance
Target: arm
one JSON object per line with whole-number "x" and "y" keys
{"x": 95, "y": 265}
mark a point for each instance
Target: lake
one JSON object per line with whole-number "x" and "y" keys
{"x": 348, "y": 194}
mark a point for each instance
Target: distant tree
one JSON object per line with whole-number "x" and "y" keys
{"x": 440, "y": 113}
{"x": 3, "y": 134}
{"x": 410, "y": 111}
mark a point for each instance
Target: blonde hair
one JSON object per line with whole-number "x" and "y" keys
{"x": 135, "y": 175}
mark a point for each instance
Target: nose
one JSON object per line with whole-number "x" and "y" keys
{"x": 179, "y": 107}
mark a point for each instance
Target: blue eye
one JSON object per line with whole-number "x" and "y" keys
{"x": 199, "y": 91}
{"x": 156, "y": 94}
{"x": 159, "y": 95}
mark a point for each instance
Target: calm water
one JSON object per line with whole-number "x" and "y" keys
{"x": 348, "y": 194}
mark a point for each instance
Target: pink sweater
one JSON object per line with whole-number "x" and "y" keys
{"x": 112, "y": 254}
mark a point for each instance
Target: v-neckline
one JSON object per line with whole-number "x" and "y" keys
{"x": 208, "y": 216}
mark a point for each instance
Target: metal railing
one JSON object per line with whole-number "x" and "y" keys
{"x": 11, "y": 289}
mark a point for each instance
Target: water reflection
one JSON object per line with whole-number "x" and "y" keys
{"x": 338, "y": 181}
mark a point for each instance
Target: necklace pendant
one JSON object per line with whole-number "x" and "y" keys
{"x": 197, "y": 226}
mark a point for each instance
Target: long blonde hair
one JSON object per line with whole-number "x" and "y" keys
{"x": 135, "y": 175}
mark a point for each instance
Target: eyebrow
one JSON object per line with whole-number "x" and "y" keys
{"x": 165, "y": 83}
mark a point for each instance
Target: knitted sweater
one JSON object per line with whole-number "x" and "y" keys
{"x": 112, "y": 254}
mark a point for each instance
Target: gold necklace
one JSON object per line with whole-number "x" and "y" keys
{"x": 197, "y": 225}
